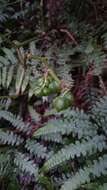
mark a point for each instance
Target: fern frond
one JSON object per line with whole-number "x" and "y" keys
{"x": 15, "y": 75}
{"x": 9, "y": 57}
{"x": 26, "y": 79}
{"x": 62, "y": 178}
{"x": 36, "y": 149}
{"x": 96, "y": 186}
{"x": 34, "y": 115}
{"x": 99, "y": 113}
{"x": 63, "y": 72}
{"x": 9, "y": 54}
{"x": 75, "y": 122}
{"x": 3, "y": 17}
{"x": 4, "y": 61}
{"x": 4, "y": 76}
{"x": 33, "y": 49}
{"x": 16, "y": 121}
{"x": 83, "y": 148}
{"x": 19, "y": 78}
{"x": 5, "y": 103}
{"x": 103, "y": 187}
{"x": 104, "y": 38}
{"x": 55, "y": 137}
{"x": 10, "y": 75}
{"x": 97, "y": 169}
{"x": 10, "y": 138}
{"x": 25, "y": 164}
{"x": 100, "y": 107}
{"x": 0, "y": 76}
{"x": 5, "y": 163}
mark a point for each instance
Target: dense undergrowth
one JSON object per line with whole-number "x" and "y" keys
{"x": 53, "y": 95}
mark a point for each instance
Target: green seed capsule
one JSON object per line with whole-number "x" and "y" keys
{"x": 40, "y": 81}
{"x": 38, "y": 92}
{"x": 63, "y": 101}
{"x": 58, "y": 103}
{"x": 68, "y": 97}
{"x": 46, "y": 91}
{"x": 54, "y": 87}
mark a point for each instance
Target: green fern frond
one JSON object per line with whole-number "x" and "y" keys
{"x": 95, "y": 186}
{"x": 62, "y": 178}
{"x": 51, "y": 127}
{"x": 103, "y": 187}
{"x": 72, "y": 124}
{"x": 5, "y": 103}
{"x": 78, "y": 149}
{"x": 104, "y": 38}
{"x": 100, "y": 108}
{"x": 5, "y": 163}
{"x": 55, "y": 137}
{"x": 4, "y": 76}
{"x": 97, "y": 169}
{"x": 9, "y": 57}
{"x": 25, "y": 164}
{"x": 34, "y": 115}
{"x": 63, "y": 72}
{"x": 99, "y": 113}
{"x": 26, "y": 79}
{"x": 0, "y": 76}
{"x": 19, "y": 78}
{"x": 10, "y": 138}
{"x": 10, "y": 69}
{"x": 17, "y": 81}
{"x": 3, "y": 17}
{"x": 10, "y": 75}
{"x": 36, "y": 149}
{"x": 9, "y": 54}
{"x": 4, "y": 61}
{"x": 33, "y": 49}
{"x": 16, "y": 121}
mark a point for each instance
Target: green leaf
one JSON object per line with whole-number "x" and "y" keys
{"x": 26, "y": 80}
{"x": 4, "y": 76}
{"x": 10, "y": 75}
{"x": 10, "y": 55}
{"x": 19, "y": 78}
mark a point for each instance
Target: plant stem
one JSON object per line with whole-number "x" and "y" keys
{"x": 45, "y": 61}
{"x": 53, "y": 75}
{"x": 11, "y": 96}
{"x": 38, "y": 58}
{"x": 20, "y": 44}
